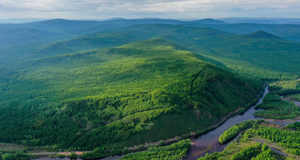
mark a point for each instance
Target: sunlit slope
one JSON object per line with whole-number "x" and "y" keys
{"x": 96, "y": 98}
{"x": 256, "y": 55}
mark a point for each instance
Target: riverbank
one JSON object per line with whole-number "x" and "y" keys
{"x": 192, "y": 135}
{"x": 208, "y": 142}
{"x": 198, "y": 133}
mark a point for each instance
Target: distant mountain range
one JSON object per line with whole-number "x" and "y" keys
{"x": 119, "y": 83}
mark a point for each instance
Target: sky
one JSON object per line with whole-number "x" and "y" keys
{"x": 172, "y": 9}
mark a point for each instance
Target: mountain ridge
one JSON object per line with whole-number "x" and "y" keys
{"x": 261, "y": 34}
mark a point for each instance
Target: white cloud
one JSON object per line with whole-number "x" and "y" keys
{"x": 135, "y": 8}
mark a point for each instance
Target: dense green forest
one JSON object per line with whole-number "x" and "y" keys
{"x": 116, "y": 86}
{"x": 123, "y": 94}
{"x": 234, "y": 131}
{"x": 276, "y": 107}
{"x": 15, "y": 155}
{"x": 174, "y": 151}
{"x": 255, "y": 55}
{"x": 253, "y": 144}
{"x": 295, "y": 126}
{"x": 256, "y": 151}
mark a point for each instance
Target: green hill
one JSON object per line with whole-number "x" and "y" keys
{"x": 256, "y": 55}
{"x": 208, "y": 21}
{"x": 10, "y": 37}
{"x": 286, "y": 31}
{"x": 123, "y": 96}
{"x": 97, "y": 41}
{"x": 261, "y": 34}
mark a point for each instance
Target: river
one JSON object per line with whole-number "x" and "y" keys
{"x": 200, "y": 144}
{"x": 208, "y": 143}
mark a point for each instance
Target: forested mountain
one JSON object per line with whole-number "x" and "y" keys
{"x": 287, "y": 31}
{"x": 260, "y": 50}
{"x": 118, "y": 93}
{"x": 84, "y": 84}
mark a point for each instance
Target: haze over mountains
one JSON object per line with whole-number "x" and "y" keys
{"x": 119, "y": 83}
{"x": 227, "y": 20}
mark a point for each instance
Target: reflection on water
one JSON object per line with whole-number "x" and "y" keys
{"x": 200, "y": 144}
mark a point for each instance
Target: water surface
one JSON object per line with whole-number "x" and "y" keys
{"x": 201, "y": 144}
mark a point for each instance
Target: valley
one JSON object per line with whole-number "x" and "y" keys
{"x": 145, "y": 86}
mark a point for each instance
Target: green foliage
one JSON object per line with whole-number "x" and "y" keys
{"x": 112, "y": 97}
{"x": 247, "y": 153}
{"x": 264, "y": 147}
{"x": 73, "y": 155}
{"x": 246, "y": 147}
{"x": 60, "y": 156}
{"x": 293, "y": 151}
{"x": 103, "y": 97}
{"x": 16, "y": 156}
{"x": 288, "y": 139}
{"x": 213, "y": 156}
{"x": 172, "y": 152}
{"x": 254, "y": 57}
{"x": 90, "y": 155}
{"x": 295, "y": 126}
{"x": 276, "y": 108}
{"x": 285, "y": 87}
{"x": 234, "y": 131}
{"x": 265, "y": 155}
{"x": 255, "y": 151}
{"x": 8, "y": 156}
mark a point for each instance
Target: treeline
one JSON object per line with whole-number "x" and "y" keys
{"x": 285, "y": 87}
{"x": 244, "y": 149}
{"x": 72, "y": 156}
{"x": 293, "y": 151}
{"x": 15, "y": 156}
{"x": 234, "y": 131}
{"x": 249, "y": 152}
{"x": 174, "y": 151}
{"x": 265, "y": 155}
{"x": 276, "y": 108}
{"x": 257, "y": 151}
{"x": 288, "y": 139}
{"x": 295, "y": 126}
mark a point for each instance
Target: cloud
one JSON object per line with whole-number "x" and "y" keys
{"x": 135, "y": 8}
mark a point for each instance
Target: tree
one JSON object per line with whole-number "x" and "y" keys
{"x": 73, "y": 155}
{"x": 8, "y": 156}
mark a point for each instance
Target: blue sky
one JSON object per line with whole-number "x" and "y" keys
{"x": 175, "y": 9}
